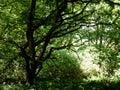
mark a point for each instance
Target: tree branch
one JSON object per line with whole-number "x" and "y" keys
{"x": 47, "y": 40}
{"x": 78, "y": 13}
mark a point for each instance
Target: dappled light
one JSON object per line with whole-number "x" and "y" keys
{"x": 59, "y": 45}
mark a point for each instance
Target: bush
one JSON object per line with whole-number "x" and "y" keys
{"x": 65, "y": 66}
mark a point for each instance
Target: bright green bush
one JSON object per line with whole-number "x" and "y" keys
{"x": 65, "y": 66}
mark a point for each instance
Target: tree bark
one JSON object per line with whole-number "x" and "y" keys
{"x": 30, "y": 62}
{"x": 31, "y": 70}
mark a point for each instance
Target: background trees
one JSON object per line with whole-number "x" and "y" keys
{"x": 33, "y": 30}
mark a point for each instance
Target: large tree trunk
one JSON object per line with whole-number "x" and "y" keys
{"x": 30, "y": 77}
{"x": 30, "y": 60}
{"x": 30, "y": 72}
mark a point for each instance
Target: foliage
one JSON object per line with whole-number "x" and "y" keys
{"x": 64, "y": 66}
{"x": 33, "y": 31}
{"x": 65, "y": 85}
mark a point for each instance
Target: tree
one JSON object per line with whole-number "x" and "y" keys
{"x": 43, "y": 26}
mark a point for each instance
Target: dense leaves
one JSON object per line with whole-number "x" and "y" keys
{"x": 33, "y": 34}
